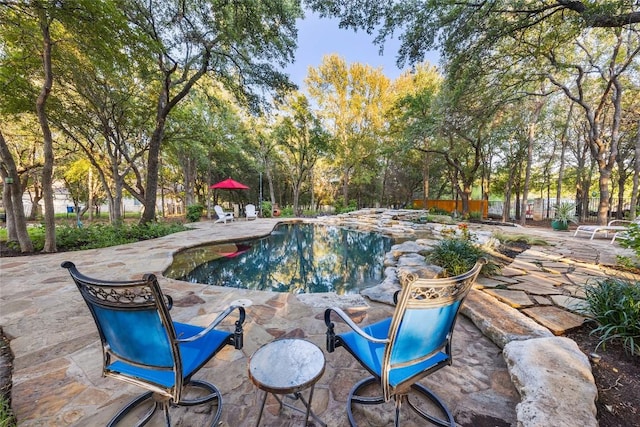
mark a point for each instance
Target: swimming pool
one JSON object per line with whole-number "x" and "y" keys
{"x": 295, "y": 258}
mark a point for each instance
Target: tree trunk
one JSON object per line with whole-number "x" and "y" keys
{"x": 425, "y": 179}
{"x": 90, "y": 199}
{"x": 47, "y": 169}
{"x": 272, "y": 193}
{"x": 563, "y": 148}
{"x": 531, "y": 134}
{"x": 12, "y": 197}
{"x": 345, "y": 186}
{"x": 636, "y": 176}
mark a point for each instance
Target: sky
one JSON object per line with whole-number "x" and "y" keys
{"x": 318, "y": 37}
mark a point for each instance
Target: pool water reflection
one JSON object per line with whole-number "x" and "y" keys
{"x": 296, "y": 258}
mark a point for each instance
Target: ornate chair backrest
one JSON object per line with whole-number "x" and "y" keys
{"x": 134, "y": 324}
{"x": 423, "y": 321}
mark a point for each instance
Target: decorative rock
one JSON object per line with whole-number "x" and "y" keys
{"x": 411, "y": 260}
{"x": 498, "y": 321}
{"x": 540, "y": 365}
{"x": 405, "y": 248}
{"x": 424, "y": 272}
{"x": 383, "y": 292}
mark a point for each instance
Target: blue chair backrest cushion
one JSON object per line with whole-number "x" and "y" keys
{"x": 135, "y": 335}
{"x": 423, "y": 332}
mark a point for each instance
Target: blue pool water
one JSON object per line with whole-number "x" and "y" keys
{"x": 296, "y": 258}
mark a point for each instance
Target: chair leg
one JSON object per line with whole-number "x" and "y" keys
{"x": 424, "y": 391}
{"x": 132, "y": 405}
{"x": 165, "y": 403}
{"x": 363, "y": 400}
{"x": 354, "y": 398}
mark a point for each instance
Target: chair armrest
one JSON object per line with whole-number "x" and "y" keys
{"x": 217, "y": 321}
{"x": 345, "y": 317}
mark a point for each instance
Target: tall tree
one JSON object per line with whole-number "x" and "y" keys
{"x": 303, "y": 140}
{"x": 12, "y": 199}
{"x": 352, "y": 99}
{"x": 43, "y": 30}
{"x": 240, "y": 44}
{"x": 413, "y": 116}
{"x": 467, "y": 32}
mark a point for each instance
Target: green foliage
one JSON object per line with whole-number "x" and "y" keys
{"x": 194, "y": 212}
{"x": 70, "y": 238}
{"x": 287, "y": 211}
{"x": 522, "y": 238}
{"x": 104, "y": 235}
{"x": 625, "y": 261}
{"x": 475, "y": 215}
{"x": 342, "y": 208}
{"x": 7, "y": 419}
{"x": 266, "y": 209}
{"x": 615, "y": 305}
{"x": 632, "y": 240}
{"x": 565, "y": 213}
{"x": 439, "y": 211}
{"x": 455, "y": 255}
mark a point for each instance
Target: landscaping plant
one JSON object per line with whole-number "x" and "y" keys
{"x": 614, "y": 304}
{"x": 632, "y": 239}
{"x": 194, "y": 213}
{"x": 99, "y": 235}
{"x": 455, "y": 256}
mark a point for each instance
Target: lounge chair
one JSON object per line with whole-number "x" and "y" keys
{"x": 222, "y": 215}
{"x": 613, "y": 226}
{"x": 250, "y": 212}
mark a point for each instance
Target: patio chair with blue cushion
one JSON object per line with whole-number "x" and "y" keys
{"x": 141, "y": 345}
{"x": 405, "y": 348}
{"x": 222, "y": 215}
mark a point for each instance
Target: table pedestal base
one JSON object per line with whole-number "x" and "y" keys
{"x": 294, "y": 396}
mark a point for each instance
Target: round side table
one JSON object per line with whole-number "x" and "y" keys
{"x": 287, "y": 367}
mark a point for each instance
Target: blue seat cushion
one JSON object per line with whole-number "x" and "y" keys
{"x": 371, "y": 354}
{"x": 194, "y": 354}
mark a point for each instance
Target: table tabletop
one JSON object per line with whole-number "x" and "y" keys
{"x": 286, "y": 366}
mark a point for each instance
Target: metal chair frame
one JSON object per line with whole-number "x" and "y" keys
{"x": 137, "y": 296}
{"x": 417, "y": 294}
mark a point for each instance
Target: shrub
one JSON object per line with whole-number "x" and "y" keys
{"x": 455, "y": 256}
{"x": 194, "y": 212}
{"x": 266, "y": 209}
{"x": 342, "y": 208}
{"x": 632, "y": 239}
{"x": 439, "y": 211}
{"x": 615, "y": 304}
{"x": 476, "y": 215}
{"x": 105, "y": 235}
{"x": 287, "y": 211}
{"x": 520, "y": 238}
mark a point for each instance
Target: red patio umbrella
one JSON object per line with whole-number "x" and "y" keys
{"x": 229, "y": 184}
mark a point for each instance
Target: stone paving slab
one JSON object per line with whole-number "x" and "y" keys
{"x": 515, "y": 299}
{"x": 554, "y": 318}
